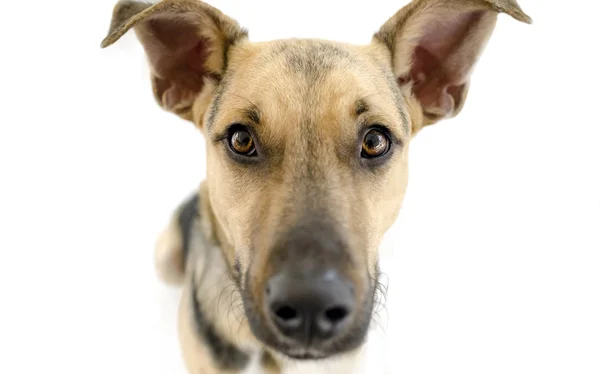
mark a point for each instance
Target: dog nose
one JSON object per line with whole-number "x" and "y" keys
{"x": 310, "y": 307}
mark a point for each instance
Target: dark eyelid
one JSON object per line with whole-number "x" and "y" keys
{"x": 366, "y": 126}
{"x": 248, "y": 117}
{"x": 224, "y": 134}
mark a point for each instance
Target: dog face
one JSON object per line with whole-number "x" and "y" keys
{"x": 307, "y": 147}
{"x": 307, "y": 150}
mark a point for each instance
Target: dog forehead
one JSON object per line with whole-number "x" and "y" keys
{"x": 312, "y": 59}
{"x": 305, "y": 61}
{"x": 307, "y": 77}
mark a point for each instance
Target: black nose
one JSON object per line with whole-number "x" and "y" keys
{"x": 310, "y": 307}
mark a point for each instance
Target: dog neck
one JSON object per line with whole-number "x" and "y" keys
{"x": 217, "y": 316}
{"x": 212, "y": 231}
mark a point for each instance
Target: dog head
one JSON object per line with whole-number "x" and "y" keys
{"x": 307, "y": 147}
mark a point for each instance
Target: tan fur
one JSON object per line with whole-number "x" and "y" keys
{"x": 305, "y": 94}
{"x": 269, "y": 364}
{"x": 168, "y": 256}
{"x": 292, "y": 108}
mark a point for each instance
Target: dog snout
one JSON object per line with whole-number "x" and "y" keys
{"x": 309, "y": 308}
{"x": 312, "y": 298}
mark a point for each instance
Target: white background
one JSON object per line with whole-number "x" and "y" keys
{"x": 493, "y": 265}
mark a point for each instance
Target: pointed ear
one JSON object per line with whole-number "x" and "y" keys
{"x": 186, "y": 43}
{"x": 435, "y": 45}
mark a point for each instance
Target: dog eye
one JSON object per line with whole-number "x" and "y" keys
{"x": 375, "y": 144}
{"x": 241, "y": 142}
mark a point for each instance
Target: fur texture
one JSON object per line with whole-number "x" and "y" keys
{"x": 308, "y": 197}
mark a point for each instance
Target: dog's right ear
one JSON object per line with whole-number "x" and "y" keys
{"x": 186, "y": 43}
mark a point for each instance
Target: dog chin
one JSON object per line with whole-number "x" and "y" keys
{"x": 307, "y": 354}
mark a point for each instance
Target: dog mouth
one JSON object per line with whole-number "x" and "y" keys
{"x": 309, "y": 352}
{"x": 305, "y": 355}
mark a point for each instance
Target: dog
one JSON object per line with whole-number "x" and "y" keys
{"x": 307, "y": 142}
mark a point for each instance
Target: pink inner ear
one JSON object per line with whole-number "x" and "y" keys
{"x": 177, "y": 55}
{"x": 441, "y": 62}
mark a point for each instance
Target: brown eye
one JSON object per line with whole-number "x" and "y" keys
{"x": 375, "y": 144}
{"x": 241, "y": 142}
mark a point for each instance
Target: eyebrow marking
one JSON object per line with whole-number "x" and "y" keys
{"x": 253, "y": 114}
{"x": 361, "y": 107}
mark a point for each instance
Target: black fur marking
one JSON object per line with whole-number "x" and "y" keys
{"x": 216, "y": 104}
{"x": 313, "y": 59}
{"x": 225, "y": 355}
{"x": 187, "y": 215}
{"x": 237, "y": 273}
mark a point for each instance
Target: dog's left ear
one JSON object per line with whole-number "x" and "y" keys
{"x": 435, "y": 45}
{"x": 186, "y": 42}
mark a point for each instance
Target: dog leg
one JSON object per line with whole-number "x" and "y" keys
{"x": 171, "y": 247}
{"x": 168, "y": 259}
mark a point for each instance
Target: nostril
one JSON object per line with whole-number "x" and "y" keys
{"x": 287, "y": 317}
{"x": 286, "y": 313}
{"x": 331, "y": 319}
{"x": 336, "y": 314}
